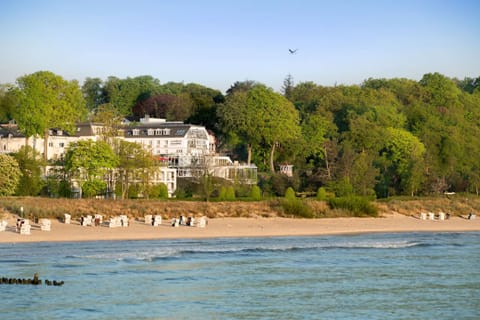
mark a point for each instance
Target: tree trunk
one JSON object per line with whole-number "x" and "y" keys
{"x": 45, "y": 145}
{"x": 327, "y": 163}
{"x": 26, "y": 145}
{"x": 125, "y": 185}
{"x": 249, "y": 153}
{"x": 272, "y": 153}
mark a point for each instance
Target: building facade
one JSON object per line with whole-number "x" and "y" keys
{"x": 184, "y": 150}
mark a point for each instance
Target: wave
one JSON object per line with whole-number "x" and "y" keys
{"x": 175, "y": 252}
{"x": 13, "y": 261}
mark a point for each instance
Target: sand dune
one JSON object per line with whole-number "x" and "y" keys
{"x": 239, "y": 227}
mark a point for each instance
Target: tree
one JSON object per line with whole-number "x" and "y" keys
{"x": 241, "y": 86}
{"x": 111, "y": 120}
{"x": 165, "y": 106}
{"x": 204, "y": 105}
{"x": 287, "y": 87}
{"x": 364, "y": 174}
{"x": 31, "y": 181}
{"x": 237, "y": 119}
{"x": 46, "y": 101}
{"x": 94, "y": 93}
{"x": 316, "y": 130}
{"x": 405, "y": 152}
{"x": 88, "y": 161}
{"x": 124, "y": 93}
{"x": 133, "y": 161}
{"x": 277, "y": 118}
{"x": 469, "y": 84}
{"x": 440, "y": 90}
{"x": 9, "y": 175}
{"x": 7, "y": 102}
{"x": 260, "y": 116}
{"x": 57, "y": 183}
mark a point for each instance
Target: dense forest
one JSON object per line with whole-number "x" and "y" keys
{"x": 381, "y": 138}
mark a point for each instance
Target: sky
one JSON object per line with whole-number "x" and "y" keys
{"x": 218, "y": 42}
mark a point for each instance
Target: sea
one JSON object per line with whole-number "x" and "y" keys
{"x": 363, "y": 276}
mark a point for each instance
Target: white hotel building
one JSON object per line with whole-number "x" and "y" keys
{"x": 186, "y": 149}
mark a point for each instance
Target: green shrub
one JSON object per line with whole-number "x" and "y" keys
{"x": 133, "y": 191}
{"x": 296, "y": 207}
{"x": 93, "y": 187}
{"x": 256, "y": 193}
{"x": 230, "y": 194}
{"x": 358, "y": 206}
{"x": 290, "y": 194}
{"x": 341, "y": 188}
{"x": 321, "y": 194}
{"x": 158, "y": 191}
{"x": 222, "y": 193}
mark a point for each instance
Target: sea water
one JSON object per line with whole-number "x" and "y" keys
{"x": 369, "y": 276}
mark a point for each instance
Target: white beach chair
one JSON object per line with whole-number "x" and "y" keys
{"x": 45, "y": 224}
{"x": 3, "y": 225}
{"x": 98, "y": 219}
{"x": 423, "y": 216}
{"x": 431, "y": 216}
{"x": 87, "y": 221}
{"x": 182, "y": 221}
{"x": 123, "y": 220}
{"x": 175, "y": 222}
{"x": 114, "y": 222}
{"x": 67, "y": 218}
{"x": 441, "y": 215}
{"x": 148, "y": 219}
{"x": 25, "y": 226}
{"x": 202, "y": 222}
{"x": 157, "y": 220}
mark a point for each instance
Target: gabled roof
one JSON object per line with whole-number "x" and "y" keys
{"x": 169, "y": 129}
{"x": 85, "y": 129}
{"x": 10, "y": 130}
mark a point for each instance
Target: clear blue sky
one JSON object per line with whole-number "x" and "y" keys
{"x": 215, "y": 43}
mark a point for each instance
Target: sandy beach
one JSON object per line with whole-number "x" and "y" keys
{"x": 239, "y": 227}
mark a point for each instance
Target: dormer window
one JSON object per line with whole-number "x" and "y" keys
{"x": 135, "y": 132}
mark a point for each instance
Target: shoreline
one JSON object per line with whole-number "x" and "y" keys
{"x": 238, "y": 228}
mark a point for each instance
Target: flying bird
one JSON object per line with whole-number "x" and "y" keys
{"x": 292, "y": 51}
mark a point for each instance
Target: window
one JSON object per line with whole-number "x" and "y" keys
{"x": 61, "y": 144}
{"x": 175, "y": 142}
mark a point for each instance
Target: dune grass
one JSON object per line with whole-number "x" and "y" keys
{"x": 37, "y": 207}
